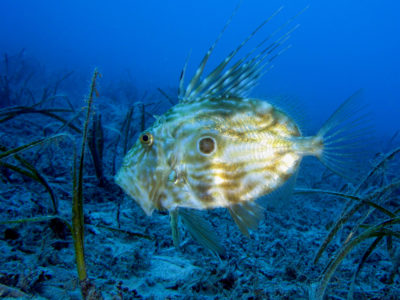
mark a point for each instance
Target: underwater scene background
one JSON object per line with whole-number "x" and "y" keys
{"x": 79, "y": 82}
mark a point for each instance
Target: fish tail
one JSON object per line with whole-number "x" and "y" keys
{"x": 341, "y": 142}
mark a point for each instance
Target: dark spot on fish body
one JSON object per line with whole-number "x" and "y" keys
{"x": 207, "y": 145}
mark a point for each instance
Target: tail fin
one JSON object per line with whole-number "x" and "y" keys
{"x": 345, "y": 137}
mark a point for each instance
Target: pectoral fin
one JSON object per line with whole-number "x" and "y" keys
{"x": 174, "y": 218}
{"x": 201, "y": 231}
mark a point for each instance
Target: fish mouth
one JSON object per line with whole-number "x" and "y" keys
{"x": 137, "y": 191}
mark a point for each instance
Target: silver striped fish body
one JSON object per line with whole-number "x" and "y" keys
{"x": 211, "y": 153}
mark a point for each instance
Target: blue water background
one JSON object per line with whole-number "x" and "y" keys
{"x": 341, "y": 46}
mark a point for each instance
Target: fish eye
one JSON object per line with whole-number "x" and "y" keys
{"x": 146, "y": 139}
{"x": 206, "y": 145}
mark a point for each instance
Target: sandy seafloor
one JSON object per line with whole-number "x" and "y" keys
{"x": 37, "y": 259}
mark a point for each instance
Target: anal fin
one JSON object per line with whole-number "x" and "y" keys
{"x": 247, "y": 215}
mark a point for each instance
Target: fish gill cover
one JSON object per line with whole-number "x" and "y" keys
{"x": 67, "y": 230}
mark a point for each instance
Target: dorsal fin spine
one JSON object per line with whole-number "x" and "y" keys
{"x": 203, "y": 63}
{"x": 182, "y": 79}
{"x": 223, "y": 64}
{"x": 240, "y": 78}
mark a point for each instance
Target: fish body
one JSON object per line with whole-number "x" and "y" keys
{"x": 218, "y": 147}
{"x": 213, "y": 153}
